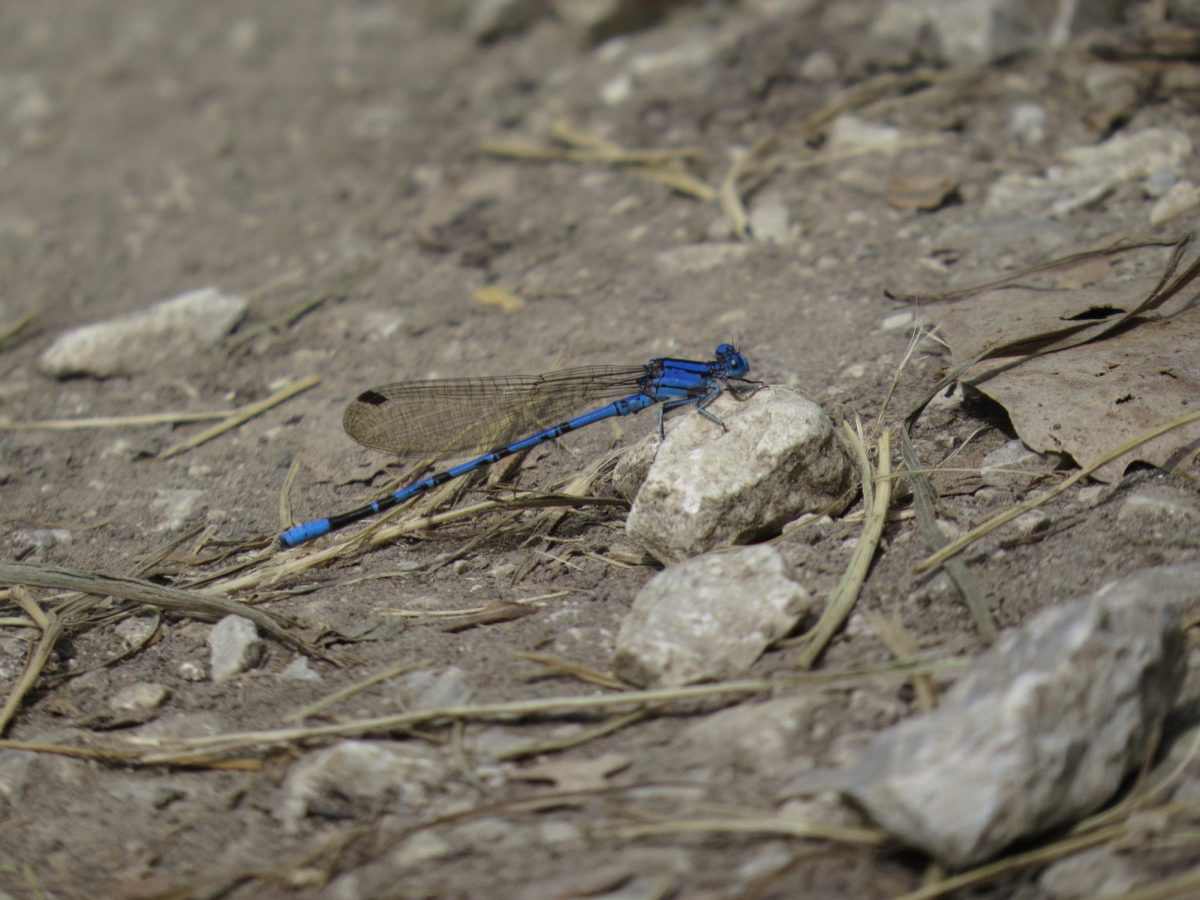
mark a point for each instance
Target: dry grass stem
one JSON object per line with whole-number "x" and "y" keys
{"x": 832, "y": 159}
{"x": 781, "y": 825}
{"x": 581, "y": 146}
{"x": 495, "y": 612}
{"x": 544, "y": 524}
{"x": 877, "y": 496}
{"x": 557, "y": 745}
{"x": 52, "y": 629}
{"x": 623, "y": 556}
{"x": 732, "y": 190}
{"x": 661, "y": 166}
{"x": 1099, "y": 829}
{"x": 285, "y": 495}
{"x": 891, "y": 632}
{"x": 926, "y": 514}
{"x": 340, "y": 288}
{"x": 183, "y": 748}
{"x": 1005, "y": 516}
{"x": 1047, "y": 854}
{"x": 886, "y": 84}
{"x": 569, "y": 667}
{"x": 138, "y": 421}
{"x": 125, "y": 756}
{"x": 914, "y": 341}
{"x": 294, "y": 562}
{"x": 182, "y": 602}
{"x": 679, "y": 180}
{"x": 1014, "y": 351}
{"x": 729, "y": 198}
{"x": 338, "y": 696}
{"x": 1181, "y": 886}
{"x": 1138, "y": 799}
{"x": 241, "y": 415}
{"x": 470, "y": 610}
{"x": 7, "y": 332}
{"x": 209, "y": 750}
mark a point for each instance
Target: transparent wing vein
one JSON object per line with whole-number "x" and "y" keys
{"x": 464, "y": 415}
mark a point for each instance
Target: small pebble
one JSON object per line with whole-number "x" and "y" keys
{"x": 147, "y": 339}
{"x": 236, "y": 647}
{"x": 142, "y": 695}
{"x": 1027, "y": 123}
{"x": 709, "y": 618}
{"x": 191, "y": 671}
{"x": 136, "y": 630}
{"x": 1182, "y": 198}
{"x": 819, "y": 66}
{"x": 299, "y": 670}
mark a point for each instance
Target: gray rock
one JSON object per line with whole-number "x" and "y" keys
{"x": 1111, "y": 85}
{"x": 1016, "y": 466}
{"x": 13, "y": 652}
{"x": 140, "y": 696}
{"x": 634, "y": 463}
{"x": 176, "y": 505}
{"x": 819, "y": 66}
{"x": 353, "y": 778}
{"x": 23, "y": 99}
{"x": 435, "y": 689}
{"x": 190, "y": 670}
{"x": 1027, "y": 123}
{"x": 849, "y": 134}
{"x": 687, "y": 52}
{"x": 450, "y": 204}
{"x": 420, "y": 848}
{"x": 1182, "y": 197}
{"x": 976, "y": 32}
{"x": 490, "y": 19}
{"x": 1086, "y": 173}
{"x": 23, "y": 769}
{"x": 1158, "y": 182}
{"x": 1177, "y": 587}
{"x": 603, "y": 19}
{"x": 828, "y": 807}
{"x": 779, "y": 8}
{"x": 1031, "y": 523}
{"x": 1157, "y": 514}
{"x": 1040, "y": 732}
{"x": 136, "y": 630}
{"x": 182, "y": 725}
{"x": 299, "y": 670}
{"x": 145, "y": 340}
{"x": 693, "y": 259}
{"x": 235, "y": 647}
{"x": 1186, "y": 12}
{"x": 769, "y": 220}
{"x": 1099, "y": 872}
{"x": 1078, "y": 16}
{"x": 779, "y": 459}
{"x": 708, "y": 618}
{"x": 759, "y": 737}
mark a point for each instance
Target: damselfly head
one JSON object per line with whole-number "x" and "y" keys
{"x": 734, "y": 364}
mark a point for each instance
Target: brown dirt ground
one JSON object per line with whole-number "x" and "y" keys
{"x": 270, "y": 149}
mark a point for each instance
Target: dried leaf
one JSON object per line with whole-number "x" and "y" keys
{"x": 493, "y": 613}
{"x": 494, "y": 295}
{"x": 920, "y": 192}
{"x": 1107, "y": 358}
{"x": 1087, "y": 399}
